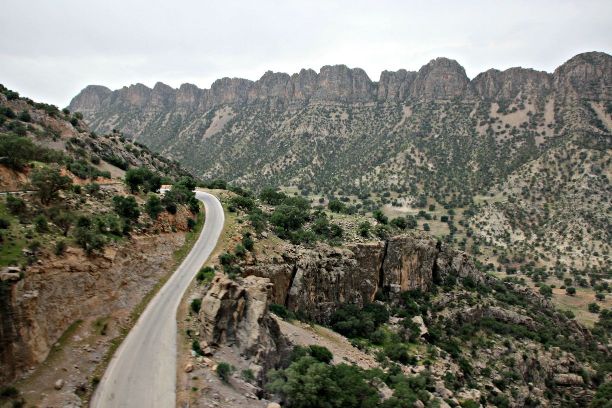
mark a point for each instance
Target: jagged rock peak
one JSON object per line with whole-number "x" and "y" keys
{"x": 441, "y": 78}
{"x": 506, "y": 85}
{"x": 91, "y": 97}
{"x": 587, "y": 75}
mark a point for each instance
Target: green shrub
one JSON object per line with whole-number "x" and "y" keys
{"x": 126, "y": 207}
{"x": 321, "y": 353}
{"x": 15, "y": 205}
{"x": 60, "y": 248}
{"x": 281, "y": 311}
{"x": 205, "y": 274}
{"x": 4, "y": 223}
{"x": 195, "y": 346}
{"x": 196, "y": 304}
{"x": 224, "y": 371}
{"x": 247, "y": 242}
{"x": 41, "y": 224}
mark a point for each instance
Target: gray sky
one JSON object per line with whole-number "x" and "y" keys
{"x": 50, "y": 50}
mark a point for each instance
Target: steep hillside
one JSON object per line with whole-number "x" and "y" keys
{"x": 84, "y": 240}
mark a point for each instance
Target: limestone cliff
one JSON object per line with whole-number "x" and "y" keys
{"x": 235, "y": 313}
{"x": 314, "y": 281}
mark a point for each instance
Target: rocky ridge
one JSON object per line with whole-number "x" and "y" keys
{"x": 585, "y": 76}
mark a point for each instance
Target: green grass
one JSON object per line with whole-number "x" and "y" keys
{"x": 14, "y": 240}
{"x": 63, "y": 340}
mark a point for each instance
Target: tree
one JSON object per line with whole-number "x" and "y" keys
{"x": 399, "y": 223}
{"x": 411, "y": 222}
{"x": 15, "y": 150}
{"x": 546, "y": 291}
{"x": 63, "y": 220}
{"x": 594, "y": 308}
{"x": 426, "y": 227}
{"x": 153, "y": 206}
{"x": 271, "y": 196}
{"x": 126, "y": 207}
{"x": 88, "y": 239}
{"x": 600, "y": 296}
{"x": 380, "y": 217}
{"x": 49, "y": 182}
{"x": 336, "y": 206}
{"x": 364, "y": 229}
{"x": 15, "y": 205}
{"x": 570, "y": 290}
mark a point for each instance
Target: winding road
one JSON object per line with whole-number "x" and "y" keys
{"x": 142, "y": 373}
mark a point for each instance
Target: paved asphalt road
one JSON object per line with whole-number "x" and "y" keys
{"x": 142, "y": 373}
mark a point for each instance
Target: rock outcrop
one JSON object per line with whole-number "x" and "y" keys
{"x": 586, "y": 75}
{"x": 314, "y": 281}
{"x": 235, "y": 313}
{"x": 36, "y": 310}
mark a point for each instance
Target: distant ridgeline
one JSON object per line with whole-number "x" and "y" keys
{"x": 432, "y": 131}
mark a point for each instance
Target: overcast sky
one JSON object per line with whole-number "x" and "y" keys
{"x": 50, "y": 50}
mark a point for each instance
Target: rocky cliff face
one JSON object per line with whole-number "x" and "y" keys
{"x": 235, "y": 313}
{"x": 315, "y": 281}
{"x": 587, "y": 76}
{"x": 37, "y": 309}
{"x": 511, "y": 83}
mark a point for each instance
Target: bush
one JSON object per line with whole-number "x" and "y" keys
{"x": 126, "y": 207}
{"x": 224, "y": 371}
{"x": 594, "y": 308}
{"x": 195, "y": 346}
{"x": 92, "y": 188}
{"x": 41, "y": 224}
{"x": 60, "y": 248}
{"x": 240, "y": 251}
{"x": 196, "y": 304}
{"x": 191, "y": 223}
{"x": 364, "y": 229}
{"x": 15, "y": 205}
{"x": 24, "y": 116}
{"x": 89, "y": 240}
{"x": 546, "y": 291}
{"x": 247, "y": 375}
{"x": 570, "y": 290}
{"x": 226, "y": 258}
{"x": 399, "y": 223}
{"x": 321, "y": 353}
{"x": 245, "y": 204}
{"x": 336, "y": 206}
{"x": 271, "y": 196}
{"x": 380, "y": 217}
{"x": 247, "y": 242}
{"x": 4, "y": 223}
{"x": 288, "y": 217}
{"x": 142, "y": 176}
{"x": 205, "y": 274}
{"x": 603, "y": 396}
{"x": 281, "y": 311}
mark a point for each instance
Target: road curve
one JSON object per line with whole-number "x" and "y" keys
{"x": 142, "y": 373}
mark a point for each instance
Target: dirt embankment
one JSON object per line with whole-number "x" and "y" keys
{"x": 66, "y": 311}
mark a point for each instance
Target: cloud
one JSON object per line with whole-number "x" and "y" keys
{"x": 51, "y": 50}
